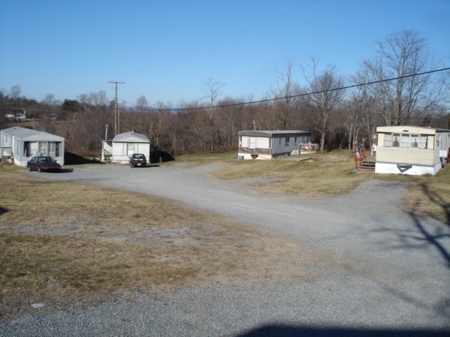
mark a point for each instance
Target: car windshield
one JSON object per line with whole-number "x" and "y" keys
{"x": 46, "y": 160}
{"x": 138, "y": 156}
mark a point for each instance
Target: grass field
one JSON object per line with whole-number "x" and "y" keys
{"x": 64, "y": 241}
{"x": 61, "y": 242}
{"x": 333, "y": 173}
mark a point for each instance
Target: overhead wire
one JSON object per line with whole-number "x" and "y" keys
{"x": 304, "y": 94}
{"x": 310, "y": 93}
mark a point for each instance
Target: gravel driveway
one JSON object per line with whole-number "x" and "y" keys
{"x": 390, "y": 274}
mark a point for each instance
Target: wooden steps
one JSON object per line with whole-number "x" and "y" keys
{"x": 367, "y": 165}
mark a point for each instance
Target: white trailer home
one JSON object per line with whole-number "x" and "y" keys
{"x": 270, "y": 144}
{"x": 122, "y": 146}
{"x": 21, "y": 144}
{"x": 411, "y": 150}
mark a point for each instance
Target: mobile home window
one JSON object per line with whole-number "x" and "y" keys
{"x": 286, "y": 142}
{"x": 43, "y": 148}
{"x": 423, "y": 142}
{"x": 388, "y": 140}
{"x": 405, "y": 140}
{"x": 396, "y": 140}
{"x": 414, "y": 141}
{"x": 53, "y": 149}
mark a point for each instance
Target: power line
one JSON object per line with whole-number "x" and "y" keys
{"x": 264, "y": 100}
{"x": 312, "y": 93}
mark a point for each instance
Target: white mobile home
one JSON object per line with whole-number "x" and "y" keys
{"x": 122, "y": 146}
{"x": 270, "y": 144}
{"x": 411, "y": 150}
{"x": 21, "y": 144}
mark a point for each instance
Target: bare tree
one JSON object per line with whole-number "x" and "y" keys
{"x": 162, "y": 133}
{"x": 15, "y": 91}
{"x": 284, "y": 92}
{"x": 142, "y": 104}
{"x": 50, "y": 99}
{"x": 213, "y": 90}
{"x": 403, "y": 55}
{"x": 325, "y": 98}
{"x": 98, "y": 99}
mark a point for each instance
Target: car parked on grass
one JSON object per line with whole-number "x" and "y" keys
{"x": 43, "y": 164}
{"x": 138, "y": 159}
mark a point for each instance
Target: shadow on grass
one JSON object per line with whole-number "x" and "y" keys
{"x": 291, "y": 331}
{"x": 438, "y": 200}
{"x": 74, "y": 159}
{"x": 427, "y": 234}
{"x": 3, "y": 210}
{"x": 159, "y": 156}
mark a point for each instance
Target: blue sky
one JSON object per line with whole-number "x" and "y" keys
{"x": 166, "y": 49}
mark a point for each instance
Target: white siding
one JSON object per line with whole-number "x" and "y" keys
{"x": 410, "y": 150}
{"x": 406, "y": 156}
{"x": 257, "y": 142}
{"x": 390, "y": 168}
{"x": 22, "y": 144}
{"x": 263, "y": 143}
{"x": 247, "y": 156}
{"x": 121, "y": 152}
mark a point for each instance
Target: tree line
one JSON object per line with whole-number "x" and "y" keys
{"x": 402, "y": 85}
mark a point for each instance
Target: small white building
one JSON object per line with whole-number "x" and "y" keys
{"x": 411, "y": 150}
{"x": 270, "y": 144}
{"x": 122, "y": 146}
{"x": 21, "y": 144}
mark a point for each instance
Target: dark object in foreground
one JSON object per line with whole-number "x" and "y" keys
{"x": 43, "y": 164}
{"x": 138, "y": 159}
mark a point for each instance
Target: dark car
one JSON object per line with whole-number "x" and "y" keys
{"x": 43, "y": 164}
{"x": 138, "y": 159}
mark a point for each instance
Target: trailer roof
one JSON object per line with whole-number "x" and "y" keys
{"x": 31, "y": 135}
{"x": 271, "y": 133}
{"x": 410, "y": 129}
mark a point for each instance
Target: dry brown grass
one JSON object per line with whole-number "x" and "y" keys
{"x": 61, "y": 241}
{"x": 321, "y": 175}
{"x": 334, "y": 174}
{"x": 427, "y": 195}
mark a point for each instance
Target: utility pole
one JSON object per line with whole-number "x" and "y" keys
{"x": 116, "y": 110}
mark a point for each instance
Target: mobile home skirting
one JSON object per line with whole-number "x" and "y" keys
{"x": 406, "y": 169}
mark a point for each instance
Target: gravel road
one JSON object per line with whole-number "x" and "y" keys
{"x": 390, "y": 274}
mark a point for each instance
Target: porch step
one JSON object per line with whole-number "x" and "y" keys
{"x": 368, "y": 164}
